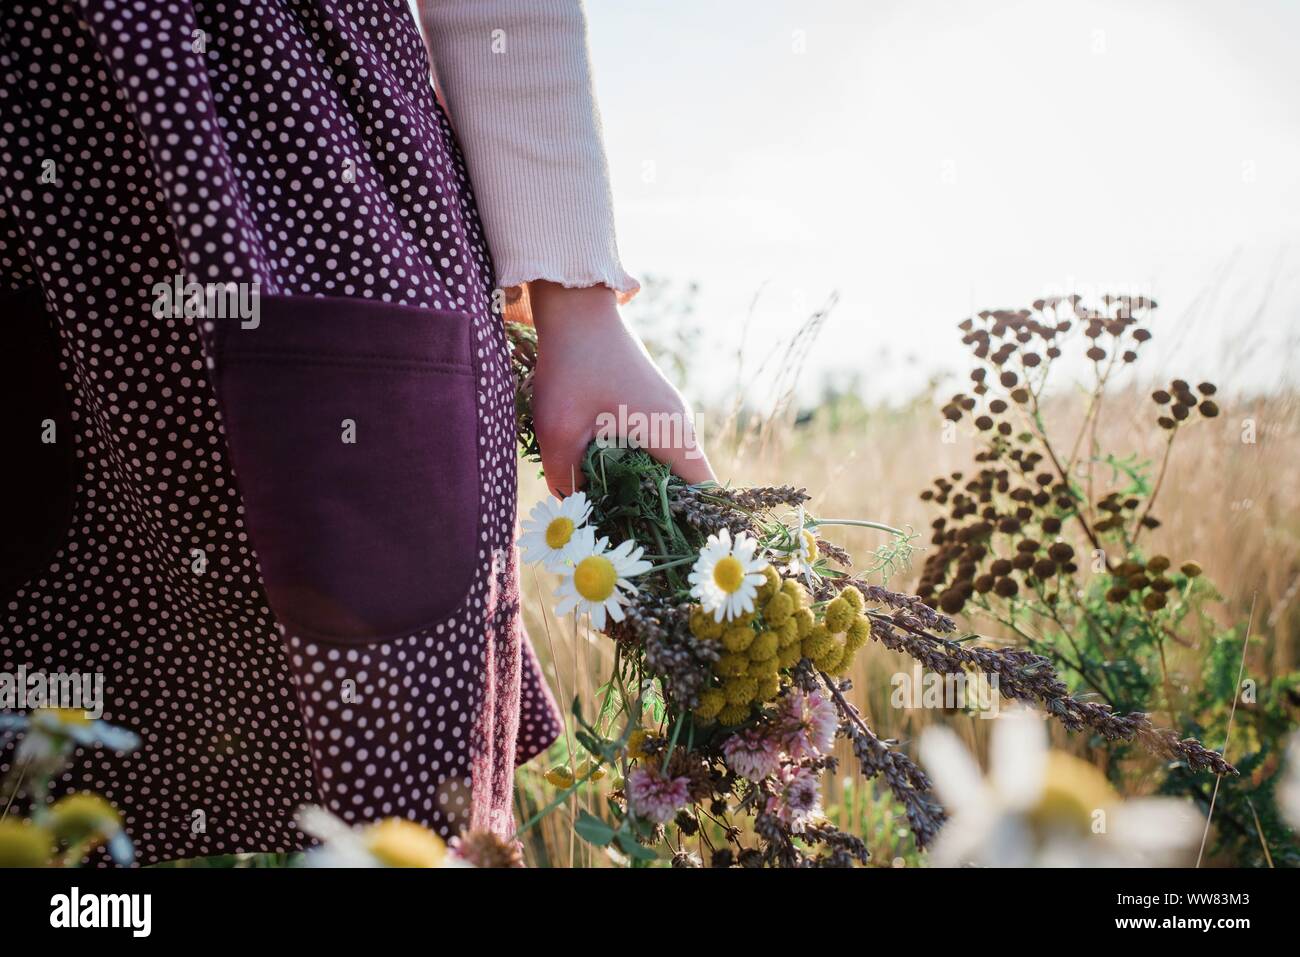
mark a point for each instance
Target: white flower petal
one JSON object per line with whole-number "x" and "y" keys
{"x": 1018, "y": 758}
{"x": 1154, "y": 832}
{"x": 957, "y": 778}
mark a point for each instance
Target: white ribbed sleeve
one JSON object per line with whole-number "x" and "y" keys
{"x": 516, "y": 77}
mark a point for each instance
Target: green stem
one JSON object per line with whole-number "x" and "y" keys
{"x": 856, "y": 522}
{"x": 688, "y": 560}
{"x": 672, "y": 744}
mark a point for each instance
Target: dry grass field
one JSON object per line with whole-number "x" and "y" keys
{"x": 1229, "y": 504}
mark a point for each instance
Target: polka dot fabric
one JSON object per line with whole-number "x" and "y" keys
{"x": 296, "y": 144}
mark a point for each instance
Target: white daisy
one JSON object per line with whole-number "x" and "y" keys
{"x": 804, "y": 553}
{"x": 1045, "y": 808}
{"x": 392, "y": 842}
{"x": 726, "y": 576}
{"x": 597, "y": 581}
{"x": 550, "y": 529}
{"x": 1288, "y": 793}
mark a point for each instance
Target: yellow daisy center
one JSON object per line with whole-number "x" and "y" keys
{"x": 401, "y": 843}
{"x": 1073, "y": 792}
{"x": 595, "y": 578}
{"x": 559, "y": 532}
{"x": 810, "y": 545}
{"x": 729, "y": 574}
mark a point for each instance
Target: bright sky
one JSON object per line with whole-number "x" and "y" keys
{"x": 928, "y": 158}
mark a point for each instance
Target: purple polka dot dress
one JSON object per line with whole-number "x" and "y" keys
{"x": 258, "y": 419}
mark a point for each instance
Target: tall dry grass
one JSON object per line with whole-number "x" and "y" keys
{"x": 1229, "y": 503}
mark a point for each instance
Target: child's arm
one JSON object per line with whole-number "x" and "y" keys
{"x": 517, "y": 79}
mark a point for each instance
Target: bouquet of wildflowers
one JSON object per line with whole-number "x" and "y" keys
{"x": 734, "y": 623}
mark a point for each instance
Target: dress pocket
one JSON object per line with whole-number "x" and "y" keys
{"x": 354, "y": 439}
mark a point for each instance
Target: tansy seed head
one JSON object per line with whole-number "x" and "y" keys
{"x": 789, "y": 656}
{"x": 636, "y": 743}
{"x": 815, "y": 645}
{"x": 771, "y": 584}
{"x": 740, "y": 690}
{"x": 1191, "y": 569}
{"x": 778, "y": 609}
{"x": 854, "y": 597}
{"x": 842, "y": 666}
{"x": 798, "y": 594}
{"x": 703, "y": 624}
{"x": 787, "y": 633}
{"x": 733, "y": 714}
{"x": 731, "y": 664}
{"x": 831, "y": 658}
{"x": 710, "y": 703}
{"x": 737, "y": 638}
{"x": 763, "y": 647}
{"x": 803, "y": 621}
{"x": 859, "y": 633}
{"x": 839, "y": 615}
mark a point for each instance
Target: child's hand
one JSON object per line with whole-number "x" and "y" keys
{"x": 589, "y": 363}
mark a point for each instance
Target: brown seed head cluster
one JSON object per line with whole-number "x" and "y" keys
{"x": 1177, "y": 402}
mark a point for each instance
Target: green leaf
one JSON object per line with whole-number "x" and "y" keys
{"x": 593, "y": 830}
{"x": 630, "y": 847}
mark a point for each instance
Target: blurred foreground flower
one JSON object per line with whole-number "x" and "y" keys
{"x": 1288, "y": 792}
{"x": 1045, "y": 808}
{"x": 485, "y": 849}
{"x": 24, "y": 844}
{"x": 64, "y": 832}
{"x": 85, "y": 821}
{"x": 392, "y": 842}
{"x": 51, "y": 734}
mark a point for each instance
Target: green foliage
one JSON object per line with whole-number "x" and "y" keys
{"x": 1046, "y": 539}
